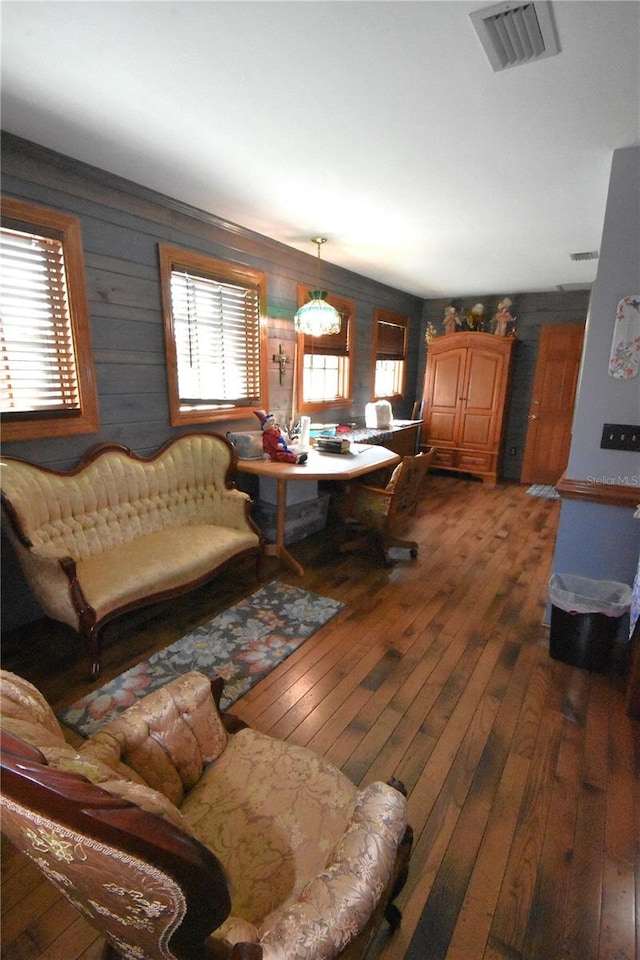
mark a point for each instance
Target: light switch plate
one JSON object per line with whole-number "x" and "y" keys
{"x": 620, "y": 436}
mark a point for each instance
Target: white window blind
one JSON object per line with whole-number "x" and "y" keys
{"x": 217, "y": 336}
{"x": 39, "y": 371}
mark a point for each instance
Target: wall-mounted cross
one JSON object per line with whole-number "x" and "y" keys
{"x": 282, "y": 359}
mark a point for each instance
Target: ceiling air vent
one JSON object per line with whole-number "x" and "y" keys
{"x": 516, "y": 33}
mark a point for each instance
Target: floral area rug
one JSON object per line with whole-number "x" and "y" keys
{"x": 242, "y": 645}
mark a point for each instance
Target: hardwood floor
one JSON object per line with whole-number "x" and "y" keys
{"x": 522, "y": 772}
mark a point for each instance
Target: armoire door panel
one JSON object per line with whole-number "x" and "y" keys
{"x": 482, "y": 381}
{"x": 477, "y": 430}
{"x": 443, "y": 427}
{"x": 448, "y": 372}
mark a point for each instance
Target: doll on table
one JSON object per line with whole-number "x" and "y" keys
{"x": 273, "y": 443}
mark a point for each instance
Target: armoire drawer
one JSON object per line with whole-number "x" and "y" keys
{"x": 472, "y": 460}
{"x": 444, "y": 458}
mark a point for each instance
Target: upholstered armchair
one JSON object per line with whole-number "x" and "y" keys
{"x": 180, "y": 835}
{"x": 385, "y": 513}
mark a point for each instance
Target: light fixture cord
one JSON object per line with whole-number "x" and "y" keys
{"x": 319, "y": 244}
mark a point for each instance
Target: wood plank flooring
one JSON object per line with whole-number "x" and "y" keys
{"x": 522, "y": 772}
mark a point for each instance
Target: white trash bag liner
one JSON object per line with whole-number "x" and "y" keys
{"x": 580, "y": 595}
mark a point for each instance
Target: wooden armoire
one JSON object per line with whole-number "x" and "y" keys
{"x": 465, "y": 394}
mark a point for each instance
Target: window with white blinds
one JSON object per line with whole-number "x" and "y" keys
{"x": 214, "y": 336}
{"x": 46, "y": 387}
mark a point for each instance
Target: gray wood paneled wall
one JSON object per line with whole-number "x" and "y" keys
{"x": 122, "y": 224}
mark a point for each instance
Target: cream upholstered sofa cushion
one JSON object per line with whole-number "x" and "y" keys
{"x": 159, "y": 561}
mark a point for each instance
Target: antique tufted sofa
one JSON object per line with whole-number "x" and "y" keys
{"x": 180, "y": 833}
{"x": 120, "y": 531}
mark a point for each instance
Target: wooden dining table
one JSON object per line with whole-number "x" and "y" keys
{"x": 362, "y": 458}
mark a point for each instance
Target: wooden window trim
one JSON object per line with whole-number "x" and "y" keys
{"x": 175, "y": 257}
{"x": 340, "y": 345}
{"x": 67, "y": 228}
{"x": 400, "y": 320}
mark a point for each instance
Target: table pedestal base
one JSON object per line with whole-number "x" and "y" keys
{"x": 281, "y": 553}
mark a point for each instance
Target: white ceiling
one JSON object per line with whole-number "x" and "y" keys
{"x": 379, "y": 125}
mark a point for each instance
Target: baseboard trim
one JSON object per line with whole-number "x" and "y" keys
{"x": 599, "y": 490}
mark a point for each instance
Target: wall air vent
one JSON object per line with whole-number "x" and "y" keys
{"x": 516, "y": 33}
{"x": 586, "y": 255}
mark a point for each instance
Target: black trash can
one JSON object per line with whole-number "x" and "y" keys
{"x": 585, "y": 617}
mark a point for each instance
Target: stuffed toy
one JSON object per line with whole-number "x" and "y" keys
{"x": 475, "y": 317}
{"x": 273, "y": 443}
{"x": 451, "y": 320}
{"x": 504, "y": 319}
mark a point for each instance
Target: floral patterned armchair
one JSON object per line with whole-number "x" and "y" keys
{"x": 182, "y": 833}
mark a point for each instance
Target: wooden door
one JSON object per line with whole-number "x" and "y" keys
{"x": 548, "y": 440}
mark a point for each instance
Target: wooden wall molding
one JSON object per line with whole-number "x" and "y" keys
{"x": 600, "y": 490}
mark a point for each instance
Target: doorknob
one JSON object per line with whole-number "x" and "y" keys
{"x": 533, "y": 416}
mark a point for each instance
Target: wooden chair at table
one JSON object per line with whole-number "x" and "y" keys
{"x": 385, "y": 513}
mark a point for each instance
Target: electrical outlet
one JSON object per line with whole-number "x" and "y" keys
{"x": 620, "y": 436}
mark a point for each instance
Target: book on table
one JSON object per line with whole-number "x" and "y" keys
{"x": 332, "y": 444}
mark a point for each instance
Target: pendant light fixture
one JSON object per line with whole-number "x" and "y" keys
{"x": 317, "y": 318}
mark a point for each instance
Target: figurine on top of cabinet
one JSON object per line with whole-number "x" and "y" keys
{"x": 503, "y": 320}
{"x": 451, "y": 320}
{"x": 475, "y": 317}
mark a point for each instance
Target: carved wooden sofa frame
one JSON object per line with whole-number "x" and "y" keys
{"x": 121, "y": 531}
